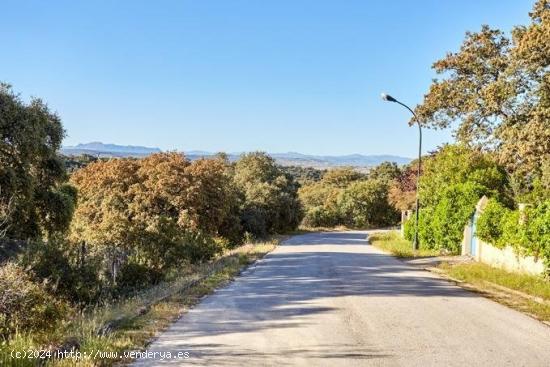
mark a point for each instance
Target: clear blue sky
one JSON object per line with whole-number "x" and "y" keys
{"x": 233, "y": 75}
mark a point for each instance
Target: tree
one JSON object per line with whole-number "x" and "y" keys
{"x": 458, "y": 164}
{"x": 343, "y": 197}
{"x": 402, "y": 189}
{"x": 385, "y": 171}
{"x": 304, "y": 175}
{"x": 341, "y": 177}
{"x": 31, "y": 172}
{"x": 151, "y": 214}
{"x": 105, "y": 219}
{"x": 271, "y": 202}
{"x": 498, "y": 92}
{"x": 365, "y": 204}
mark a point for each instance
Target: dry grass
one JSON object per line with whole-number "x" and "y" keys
{"x": 392, "y": 242}
{"x": 526, "y": 293}
{"x": 140, "y": 318}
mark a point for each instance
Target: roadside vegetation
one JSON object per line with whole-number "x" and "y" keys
{"x": 527, "y": 293}
{"x": 393, "y": 243}
{"x": 496, "y": 91}
{"x": 83, "y": 239}
{"x": 524, "y": 292}
{"x": 345, "y": 197}
{"x": 95, "y": 238}
{"x": 130, "y": 323}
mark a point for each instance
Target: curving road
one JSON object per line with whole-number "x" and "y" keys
{"x": 330, "y": 299}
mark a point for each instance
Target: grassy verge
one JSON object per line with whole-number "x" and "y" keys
{"x": 530, "y": 294}
{"x": 130, "y": 324}
{"x": 305, "y": 229}
{"x": 393, "y": 243}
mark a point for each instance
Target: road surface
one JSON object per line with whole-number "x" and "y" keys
{"x": 330, "y": 299}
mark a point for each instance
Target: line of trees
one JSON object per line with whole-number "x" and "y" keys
{"x": 115, "y": 226}
{"x": 496, "y": 90}
{"x": 346, "y": 197}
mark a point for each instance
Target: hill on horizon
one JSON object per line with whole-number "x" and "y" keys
{"x": 286, "y": 159}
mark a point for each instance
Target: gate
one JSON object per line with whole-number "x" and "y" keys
{"x": 473, "y": 237}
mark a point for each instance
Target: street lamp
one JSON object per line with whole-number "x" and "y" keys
{"x": 387, "y": 97}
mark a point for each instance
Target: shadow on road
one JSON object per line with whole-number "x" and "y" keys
{"x": 282, "y": 292}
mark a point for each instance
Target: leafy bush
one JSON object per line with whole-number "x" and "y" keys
{"x": 271, "y": 202}
{"x": 489, "y": 225}
{"x": 528, "y": 233}
{"x": 453, "y": 212}
{"x": 365, "y": 204}
{"x": 24, "y": 304}
{"x": 320, "y": 216}
{"x": 346, "y": 197}
{"x": 66, "y": 273}
{"x": 457, "y": 164}
{"x": 198, "y": 247}
{"x": 442, "y": 226}
{"x": 453, "y": 180}
{"x": 134, "y": 276}
{"x": 538, "y": 232}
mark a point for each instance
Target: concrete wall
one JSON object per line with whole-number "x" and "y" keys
{"x": 505, "y": 258}
{"x": 508, "y": 259}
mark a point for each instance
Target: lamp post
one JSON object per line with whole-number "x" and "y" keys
{"x": 387, "y": 97}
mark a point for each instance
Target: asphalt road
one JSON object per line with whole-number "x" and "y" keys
{"x": 330, "y": 299}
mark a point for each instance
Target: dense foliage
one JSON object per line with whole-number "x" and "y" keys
{"x": 346, "y": 197}
{"x": 33, "y": 202}
{"x": 137, "y": 222}
{"x": 497, "y": 90}
{"x": 304, "y": 175}
{"x": 270, "y": 195}
{"x": 453, "y": 180}
{"x": 527, "y": 231}
{"x": 24, "y": 304}
{"x": 118, "y": 225}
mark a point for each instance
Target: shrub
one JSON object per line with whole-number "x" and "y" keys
{"x": 458, "y": 164}
{"x": 321, "y": 216}
{"x": 426, "y": 237}
{"x": 530, "y": 236}
{"x": 67, "y": 273}
{"x": 365, "y": 204}
{"x": 198, "y": 247}
{"x": 24, "y": 304}
{"x": 538, "y": 232}
{"x": 134, "y": 276}
{"x": 489, "y": 225}
{"x": 254, "y": 221}
{"x": 442, "y": 226}
{"x": 453, "y": 212}
{"x": 271, "y": 202}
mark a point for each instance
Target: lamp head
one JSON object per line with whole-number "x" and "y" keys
{"x": 387, "y": 97}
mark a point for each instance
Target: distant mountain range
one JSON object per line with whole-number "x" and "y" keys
{"x": 109, "y": 150}
{"x": 285, "y": 159}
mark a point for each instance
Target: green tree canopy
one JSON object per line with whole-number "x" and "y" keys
{"x": 497, "y": 90}
{"x": 31, "y": 171}
{"x": 365, "y": 204}
{"x": 270, "y": 195}
{"x": 458, "y": 164}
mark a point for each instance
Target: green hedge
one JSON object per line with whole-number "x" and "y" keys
{"x": 501, "y": 226}
{"x": 442, "y": 226}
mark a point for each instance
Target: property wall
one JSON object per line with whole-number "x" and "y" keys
{"x": 505, "y": 258}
